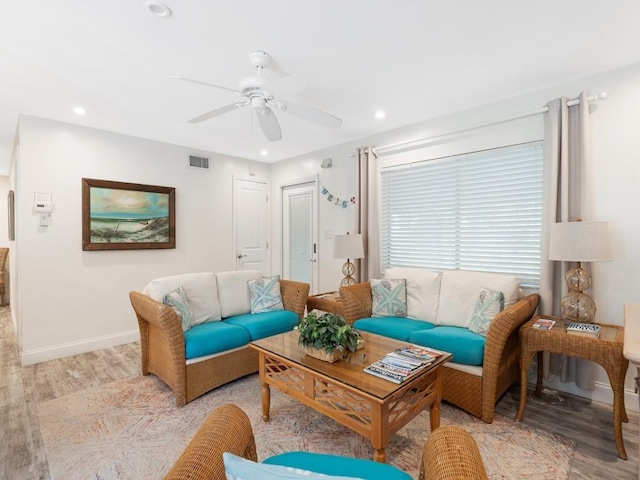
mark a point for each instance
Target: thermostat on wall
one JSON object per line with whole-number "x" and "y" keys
{"x": 42, "y": 203}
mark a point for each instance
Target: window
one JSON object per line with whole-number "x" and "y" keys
{"x": 478, "y": 211}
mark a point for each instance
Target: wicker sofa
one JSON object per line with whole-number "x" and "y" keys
{"x": 216, "y": 350}
{"x": 449, "y": 453}
{"x": 439, "y": 306}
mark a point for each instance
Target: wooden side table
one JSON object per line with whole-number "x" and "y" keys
{"x": 607, "y": 350}
{"x": 326, "y": 302}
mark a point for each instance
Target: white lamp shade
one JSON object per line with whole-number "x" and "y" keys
{"x": 348, "y": 246}
{"x": 580, "y": 242}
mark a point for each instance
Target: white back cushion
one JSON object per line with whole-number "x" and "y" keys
{"x": 233, "y": 291}
{"x": 459, "y": 292}
{"x": 423, "y": 291}
{"x": 201, "y": 290}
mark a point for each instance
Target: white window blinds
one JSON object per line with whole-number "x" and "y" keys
{"x": 478, "y": 211}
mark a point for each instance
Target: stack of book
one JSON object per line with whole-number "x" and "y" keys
{"x": 586, "y": 329}
{"x": 402, "y": 363}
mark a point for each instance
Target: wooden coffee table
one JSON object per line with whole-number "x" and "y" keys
{"x": 371, "y": 406}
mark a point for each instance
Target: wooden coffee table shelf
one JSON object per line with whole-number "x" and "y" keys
{"x": 371, "y": 406}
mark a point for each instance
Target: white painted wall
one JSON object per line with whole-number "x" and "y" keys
{"x": 333, "y": 219}
{"x": 73, "y": 301}
{"x": 612, "y": 178}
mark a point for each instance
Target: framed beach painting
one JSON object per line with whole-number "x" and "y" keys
{"x": 127, "y": 216}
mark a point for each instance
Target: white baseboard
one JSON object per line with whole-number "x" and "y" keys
{"x": 30, "y": 357}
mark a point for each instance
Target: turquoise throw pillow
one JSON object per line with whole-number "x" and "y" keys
{"x": 178, "y": 300}
{"x": 265, "y": 294}
{"x": 389, "y": 298}
{"x": 489, "y": 304}
{"x": 238, "y": 468}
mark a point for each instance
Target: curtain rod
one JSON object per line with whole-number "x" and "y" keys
{"x": 418, "y": 142}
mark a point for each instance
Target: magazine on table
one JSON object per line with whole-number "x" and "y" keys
{"x": 543, "y": 324}
{"x": 398, "y": 365}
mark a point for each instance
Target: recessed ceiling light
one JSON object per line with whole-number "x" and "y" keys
{"x": 158, "y": 8}
{"x": 380, "y": 114}
{"x": 264, "y": 153}
{"x": 79, "y": 111}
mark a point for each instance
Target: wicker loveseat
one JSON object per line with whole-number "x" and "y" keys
{"x": 216, "y": 350}
{"x": 440, "y": 306}
{"x": 449, "y": 453}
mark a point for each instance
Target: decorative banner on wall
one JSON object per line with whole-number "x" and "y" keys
{"x": 335, "y": 199}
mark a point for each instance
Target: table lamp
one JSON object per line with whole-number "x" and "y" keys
{"x": 579, "y": 242}
{"x": 348, "y": 246}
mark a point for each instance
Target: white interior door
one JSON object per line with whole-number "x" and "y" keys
{"x": 251, "y": 214}
{"x": 299, "y": 233}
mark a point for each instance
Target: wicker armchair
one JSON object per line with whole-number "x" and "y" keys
{"x": 451, "y": 453}
{"x": 226, "y": 429}
{"x": 500, "y": 368}
{"x": 163, "y": 352}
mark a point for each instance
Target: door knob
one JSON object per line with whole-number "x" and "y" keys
{"x": 313, "y": 260}
{"x": 240, "y": 255}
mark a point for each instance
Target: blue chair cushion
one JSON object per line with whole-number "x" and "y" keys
{"x": 265, "y": 324}
{"x": 467, "y": 347}
{"x": 338, "y": 465}
{"x": 399, "y": 328}
{"x": 213, "y": 337}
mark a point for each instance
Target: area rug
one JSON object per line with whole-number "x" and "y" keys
{"x": 131, "y": 429}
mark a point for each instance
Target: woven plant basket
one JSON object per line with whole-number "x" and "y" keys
{"x": 322, "y": 354}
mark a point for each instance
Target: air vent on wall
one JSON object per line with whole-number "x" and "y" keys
{"x": 199, "y": 162}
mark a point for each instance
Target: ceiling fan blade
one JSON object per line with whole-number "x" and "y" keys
{"x": 217, "y": 112}
{"x": 205, "y": 83}
{"x": 284, "y": 86}
{"x": 308, "y": 113}
{"x": 269, "y": 124}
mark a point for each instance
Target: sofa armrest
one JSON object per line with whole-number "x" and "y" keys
{"x": 356, "y": 301}
{"x": 226, "y": 429}
{"x": 294, "y": 296}
{"x": 501, "y": 348}
{"x": 161, "y": 341}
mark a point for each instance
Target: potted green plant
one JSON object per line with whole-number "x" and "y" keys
{"x": 327, "y": 336}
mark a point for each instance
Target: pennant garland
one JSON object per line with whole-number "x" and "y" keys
{"x": 335, "y": 199}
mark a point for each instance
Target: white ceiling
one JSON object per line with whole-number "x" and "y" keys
{"x": 416, "y": 59}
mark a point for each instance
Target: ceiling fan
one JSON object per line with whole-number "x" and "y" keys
{"x": 264, "y": 96}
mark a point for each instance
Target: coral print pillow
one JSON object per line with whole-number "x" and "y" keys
{"x": 389, "y": 298}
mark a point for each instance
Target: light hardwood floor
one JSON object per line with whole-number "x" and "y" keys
{"x": 22, "y": 454}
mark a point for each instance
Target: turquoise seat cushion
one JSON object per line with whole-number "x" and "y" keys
{"x": 213, "y": 337}
{"x": 338, "y": 465}
{"x": 399, "y": 328}
{"x": 265, "y": 324}
{"x": 467, "y": 347}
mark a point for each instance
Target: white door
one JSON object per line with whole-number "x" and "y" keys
{"x": 299, "y": 236}
{"x": 251, "y": 213}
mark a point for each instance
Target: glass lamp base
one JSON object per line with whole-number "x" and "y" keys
{"x": 348, "y": 269}
{"x": 578, "y": 307}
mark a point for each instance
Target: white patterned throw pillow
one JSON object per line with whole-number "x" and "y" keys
{"x": 389, "y": 297}
{"x": 265, "y": 294}
{"x": 177, "y": 299}
{"x": 489, "y": 304}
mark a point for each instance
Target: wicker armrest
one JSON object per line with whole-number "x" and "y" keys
{"x": 451, "y": 453}
{"x": 226, "y": 429}
{"x": 294, "y": 296}
{"x": 356, "y": 301}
